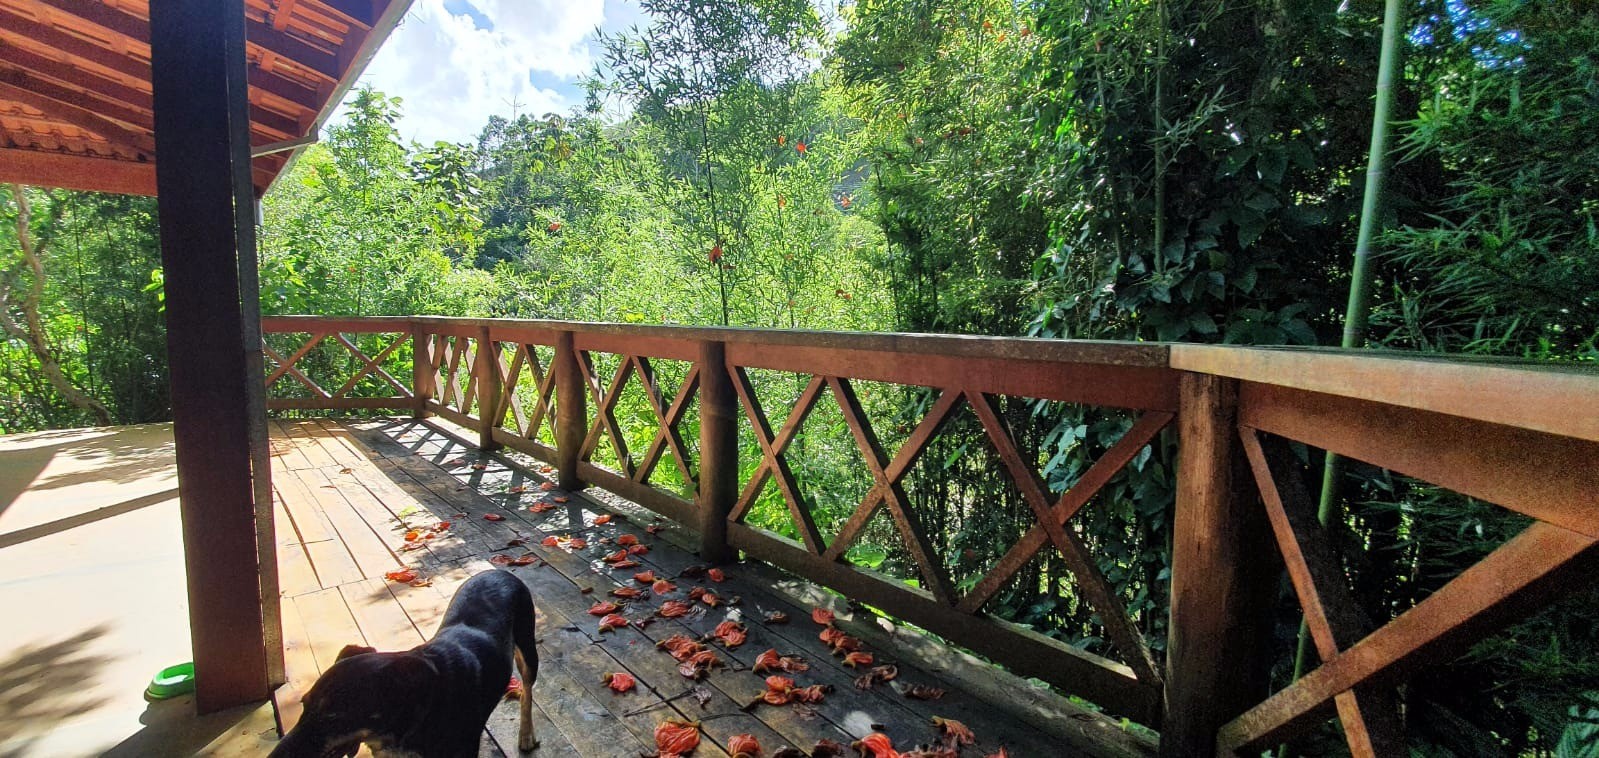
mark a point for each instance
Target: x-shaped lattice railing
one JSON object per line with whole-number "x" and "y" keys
{"x": 370, "y": 365}
{"x": 667, "y": 437}
{"x": 888, "y": 492}
{"x": 526, "y": 424}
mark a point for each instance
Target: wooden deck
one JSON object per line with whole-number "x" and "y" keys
{"x": 347, "y": 492}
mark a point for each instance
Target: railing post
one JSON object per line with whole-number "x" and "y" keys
{"x": 571, "y": 413}
{"x": 422, "y": 388}
{"x": 487, "y": 367}
{"x": 718, "y": 482}
{"x": 1223, "y": 573}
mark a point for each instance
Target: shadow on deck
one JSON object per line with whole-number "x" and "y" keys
{"x": 348, "y": 492}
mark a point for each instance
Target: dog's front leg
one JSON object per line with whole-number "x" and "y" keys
{"x": 526, "y": 739}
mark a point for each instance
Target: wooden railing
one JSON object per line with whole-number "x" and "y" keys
{"x": 1526, "y": 439}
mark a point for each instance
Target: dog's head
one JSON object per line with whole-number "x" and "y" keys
{"x": 364, "y": 696}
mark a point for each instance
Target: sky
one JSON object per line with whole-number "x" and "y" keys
{"x": 454, "y": 63}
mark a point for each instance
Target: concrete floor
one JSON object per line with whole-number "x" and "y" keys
{"x": 93, "y": 600}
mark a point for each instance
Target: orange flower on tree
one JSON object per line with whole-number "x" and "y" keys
{"x": 799, "y": 145}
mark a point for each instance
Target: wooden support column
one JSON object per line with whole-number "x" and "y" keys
{"x": 718, "y": 483}
{"x": 487, "y": 369}
{"x": 1223, "y": 572}
{"x": 571, "y": 413}
{"x": 207, "y": 221}
{"x": 422, "y": 388}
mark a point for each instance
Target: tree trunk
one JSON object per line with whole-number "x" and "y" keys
{"x": 31, "y": 331}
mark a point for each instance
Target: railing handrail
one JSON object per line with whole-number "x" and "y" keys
{"x": 1557, "y": 398}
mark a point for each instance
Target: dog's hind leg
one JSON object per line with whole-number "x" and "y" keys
{"x": 525, "y": 638}
{"x": 526, "y": 739}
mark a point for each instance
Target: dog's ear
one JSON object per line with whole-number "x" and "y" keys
{"x": 350, "y": 651}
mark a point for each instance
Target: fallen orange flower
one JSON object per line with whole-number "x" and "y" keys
{"x": 955, "y": 733}
{"x": 620, "y": 681}
{"x": 744, "y": 746}
{"x": 603, "y": 609}
{"x": 822, "y": 616}
{"x": 401, "y": 575}
{"x": 876, "y": 745}
{"x": 675, "y": 739}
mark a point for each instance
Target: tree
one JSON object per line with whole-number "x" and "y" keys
{"x": 24, "y": 301}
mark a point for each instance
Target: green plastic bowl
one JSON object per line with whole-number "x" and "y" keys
{"x": 171, "y": 682}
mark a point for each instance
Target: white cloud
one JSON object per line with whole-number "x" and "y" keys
{"x": 453, "y": 75}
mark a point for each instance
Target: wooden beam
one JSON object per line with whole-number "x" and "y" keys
{"x": 1223, "y": 580}
{"x": 77, "y": 172}
{"x": 136, "y": 29}
{"x": 14, "y": 25}
{"x": 207, "y": 224}
{"x": 1544, "y": 397}
{"x": 1547, "y": 477}
{"x": 78, "y": 108}
{"x": 88, "y": 81}
{"x": 1106, "y": 683}
{"x": 282, "y": 13}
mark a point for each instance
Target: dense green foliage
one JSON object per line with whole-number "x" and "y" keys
{"x": 1135, "y": 170}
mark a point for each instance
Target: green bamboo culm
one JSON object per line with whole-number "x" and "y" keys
{"x": 1360, "y": 274}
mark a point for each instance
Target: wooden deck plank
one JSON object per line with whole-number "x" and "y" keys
{"x": 371, "y": 551}
{"x": 285, "y": 450}
{"x": 300, "y": 433}
{"x": 329, "y": 625}
{"x": 851, "y": 710}
{"x": 379, "y": 616}
{"x": 299, "y": 666}
{"x": 398, "y": 465}
{"x": 332, "y": 562}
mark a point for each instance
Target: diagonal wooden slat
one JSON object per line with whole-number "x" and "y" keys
{"x": 288, "y": 367}
{"x": 542, "y": 402}
{"x": 1370, "y": 717}
{"x": 1090, "y": 581}
{"x": 605, "y": 411}
{"x": 893, "y": 494}
{"x": 667, "y": 437}
{"x": 372, "y": 365}
{"x": 1537, "y": 565}
{"x": 513, "y": 380}
{"x": 436, "y": 362}
{"x": 1070, "y": 502}
{"x": 773, "y": 464}
{"x": 912, "y": 449}
{"x": 468, "y": 394}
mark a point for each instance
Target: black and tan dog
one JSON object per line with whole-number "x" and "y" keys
{"x": 432, "y": 700}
